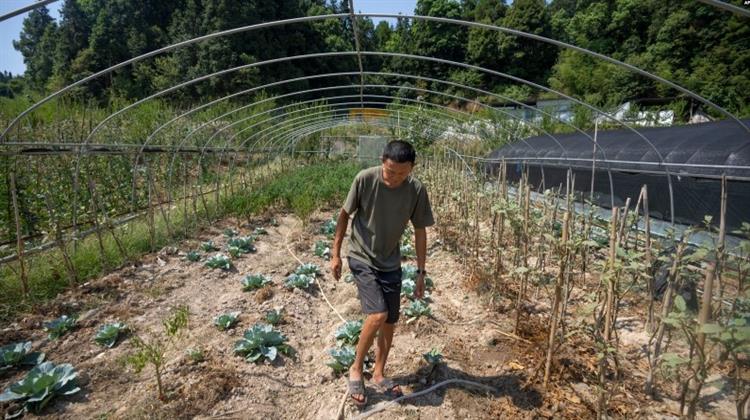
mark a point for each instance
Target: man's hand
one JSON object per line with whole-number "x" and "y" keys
{"x": 336, "y": 267}
{"x": 419, "y": 290}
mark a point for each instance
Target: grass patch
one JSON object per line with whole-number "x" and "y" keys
{"x": 301, "y": 189}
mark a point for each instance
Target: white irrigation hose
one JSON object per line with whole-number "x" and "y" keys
{"x": 383, "y": 406}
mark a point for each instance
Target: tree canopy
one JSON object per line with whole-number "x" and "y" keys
{"x": 693, "y": 44}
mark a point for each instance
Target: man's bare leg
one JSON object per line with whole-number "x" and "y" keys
{"x": 372, "y": 324}
{"x": 385, "y": 339}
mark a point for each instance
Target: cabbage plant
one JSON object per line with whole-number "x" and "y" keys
{"x": 261, "y": 341}
{"x": 108, "y": 334}
{"x": 299, "y": 281}
{"x": 226, "y": 321}
{"x": 260, "y": 231}
{"x": 209, "y": 246}
{"x": 18, "y": 354}
{"x": 43, "y": 383}
{"x": 323, "y": 249}
{"x": 329, "y": 228}
{"x": 343, "y": 357}
{"x": 219, "y": 261}
{"x": 230, "y": 233}
{"x": 348, "y": 333}
{"x": 416, "y": 309}
{"x": 244, "y": 243}
{"x": 407, "y": 251}
{"x": 193, "y": 256}
{"x": 254, "y": 281}
{"x": 274, "y": 316}
{"x": 58, "y": 327}
{"x": 308, "y": 269}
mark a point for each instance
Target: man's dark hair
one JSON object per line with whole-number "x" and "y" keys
{"x": 399, "y": 151}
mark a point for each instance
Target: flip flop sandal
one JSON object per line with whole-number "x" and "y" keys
{"x": 390, "y": 388}
{"x": 357, "y": 387}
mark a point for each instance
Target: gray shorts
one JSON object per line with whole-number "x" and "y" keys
{"x": 379, "y": 291}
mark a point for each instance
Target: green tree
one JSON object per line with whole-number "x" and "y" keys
{"x": 36, "y": 44}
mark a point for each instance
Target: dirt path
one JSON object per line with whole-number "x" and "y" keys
{"x": 226, "y": 386}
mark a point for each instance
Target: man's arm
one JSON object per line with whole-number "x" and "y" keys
{"x": 420, "y": 243}
{"x": 341, "y": 224}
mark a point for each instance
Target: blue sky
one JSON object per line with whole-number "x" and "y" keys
{"x": 11, "y": 60}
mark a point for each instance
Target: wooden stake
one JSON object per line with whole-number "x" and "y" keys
{"x": 19, "y": 236}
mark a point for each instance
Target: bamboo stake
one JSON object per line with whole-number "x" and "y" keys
{"x": 607, "y": 315}
{"x": 97, "y": 229}
{"x": 19, "y": 236}
{"x": 558, "y": 297}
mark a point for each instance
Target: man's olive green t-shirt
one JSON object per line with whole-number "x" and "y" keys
{"x": 380, "y": 217}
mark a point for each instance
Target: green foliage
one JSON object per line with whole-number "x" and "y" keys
{"x": 196, "y": 355}
{"x": 226, "y": 321}
{"x": 323, "y": 249}
{"x": 329, "y": 228}
{"x": 433, "y": 357}
{"x": 254, "y": 281}
{"x": 245, "y": 244}
{"x": 193, "y": 256}
{"x": 302, "y": 190}
{"x": 299, "y": 281}
{"x": 230, "y": 233}
{"x": 209, "y": 246}
{"x": 274, "y": 316}
{"x": 18, "y": 354}
{"x": 261, "y": 341}
{"x": 308, "y": 269}
{"x": 42, "y": 384}
{"x": 343, "y": 358}
{"x": 416, "y": 309}
{"x": 407, "y": 251}
{"x": 177, "y": 320}
{"x": 107, "y": 335}
{"x": 219, "y": 261}
{"x": 58, "y": 327}
{"x": 260, "y": 231}
{"x": 348, "y": 333}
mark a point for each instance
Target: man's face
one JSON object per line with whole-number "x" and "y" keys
{"x": 395, "y": 173}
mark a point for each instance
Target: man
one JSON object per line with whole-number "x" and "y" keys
{"x": 382, "y": 199}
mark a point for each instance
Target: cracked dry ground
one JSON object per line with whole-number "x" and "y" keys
{"x": 226, "y": 386}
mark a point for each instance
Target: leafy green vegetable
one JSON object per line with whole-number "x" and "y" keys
{"x": 260, "y": 231}
{"x": 230, "y": 233}
{"x": 299, "y": 281}
{"x": 226, "y": 321}
{"x": 17, "y": 354}
{"x": 209, "y": 246}
{"x": 275, "y": 316}
{"x": 329, "y": 228}
{"x": 219, "y": 261}
{"x": 195, "y": 355}
{"x": 308, "y": 269}
{"x": 108, "y": 334}
{"x": 254, "y": 281}
{"x": 348, "y": 333}
{"x": 433, "y": 356}
{"x": 416, "y": 309}
{"x": 43, "y": 383}
{"x": 234, "y": 251}
{"x": 343, "y": 358}
{"x": 407, "y": 251}
{"x": 261, "y": 341}
{"x": 323, "y": 249}
{"x": 58, "y": 327}
{"x": 193, "y": 256}
{"x": 244, "y": 243}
